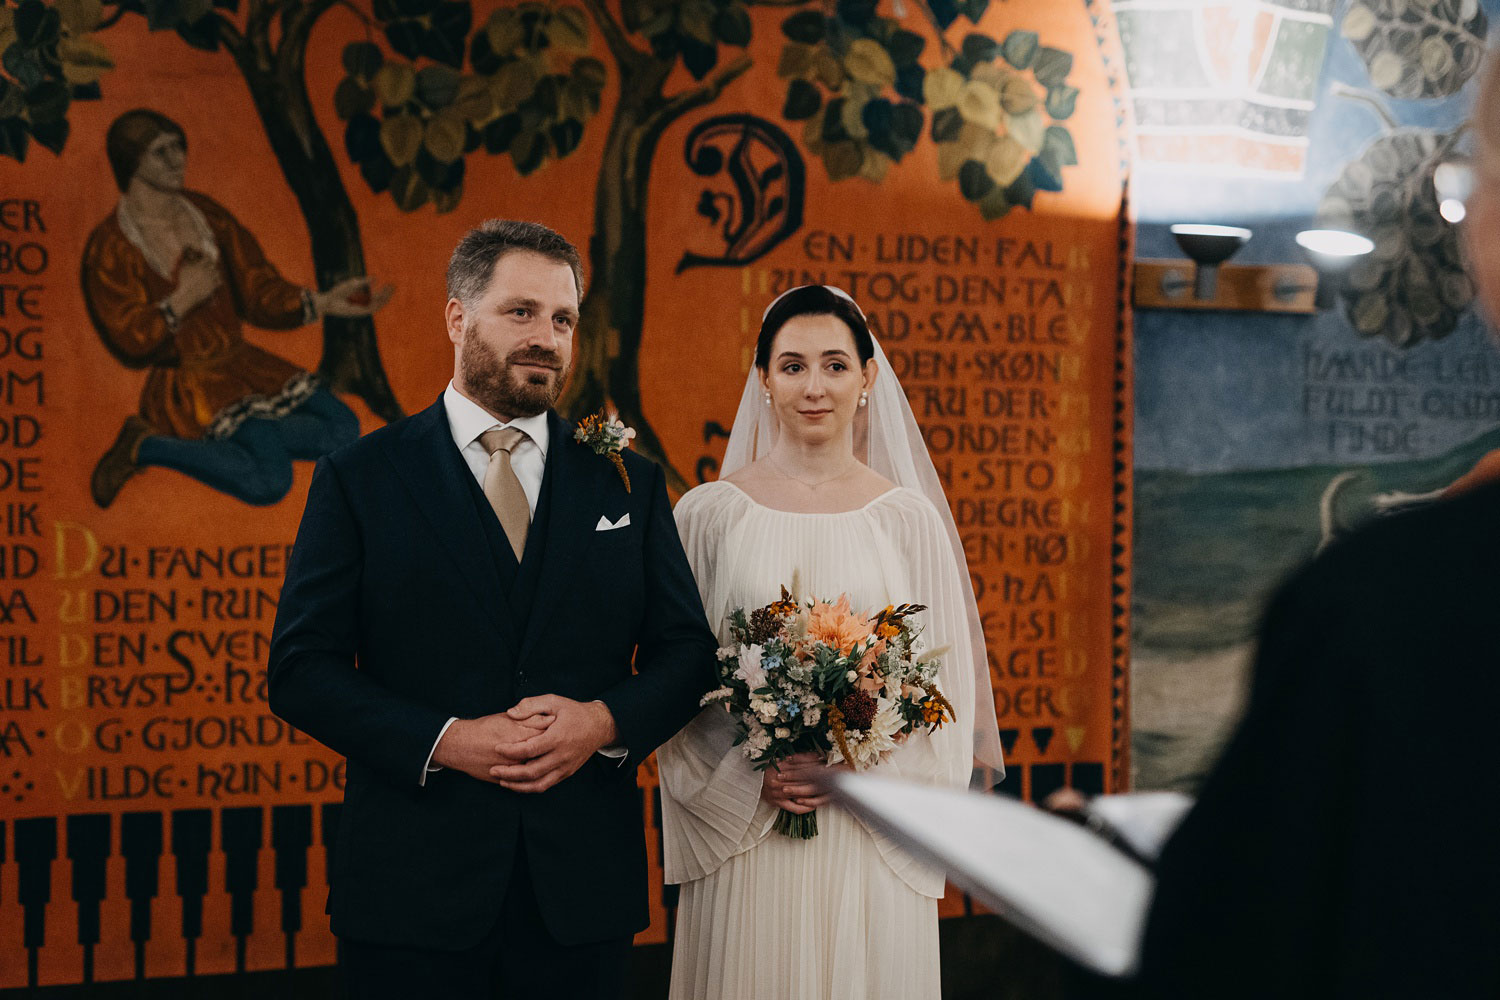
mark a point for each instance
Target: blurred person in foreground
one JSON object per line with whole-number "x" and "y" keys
{"x": 1347, "y": 844}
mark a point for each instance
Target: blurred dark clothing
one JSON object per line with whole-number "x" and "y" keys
{"x": 1348, "y": 842}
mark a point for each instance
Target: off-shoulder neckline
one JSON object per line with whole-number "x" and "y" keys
{"x": 798, "y": 513}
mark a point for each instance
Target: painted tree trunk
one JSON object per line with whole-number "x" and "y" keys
{"x": 606, "y": 367}
{"x": 351, "y": 356}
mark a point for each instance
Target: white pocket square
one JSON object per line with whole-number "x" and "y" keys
{"x": 605, "y": 524}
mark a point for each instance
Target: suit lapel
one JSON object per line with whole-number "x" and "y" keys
{"x": 435, "y": 475}
{"x": 568, "y": 527}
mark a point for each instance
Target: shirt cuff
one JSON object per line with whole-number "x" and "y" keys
{"x": 614, "y": 752}
{"x": 428, "y": 768}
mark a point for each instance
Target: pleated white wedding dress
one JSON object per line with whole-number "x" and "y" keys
{"x": 846, "y": 915}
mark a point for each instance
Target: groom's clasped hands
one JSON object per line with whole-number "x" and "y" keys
{"x": 533, "y": 746}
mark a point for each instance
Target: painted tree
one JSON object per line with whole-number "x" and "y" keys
{"x": 427, "y": 88}
{"x": 1414, "y": 287}
{"x": 51, "y": 55}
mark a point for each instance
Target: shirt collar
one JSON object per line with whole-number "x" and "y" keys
{"x": 467, "y": 420}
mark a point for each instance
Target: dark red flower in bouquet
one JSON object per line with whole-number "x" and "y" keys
{"x": 859, "y": 710}
{"x": 764, "y": 624}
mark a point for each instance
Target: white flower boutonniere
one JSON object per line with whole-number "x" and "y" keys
{"x": 607, "y": 436}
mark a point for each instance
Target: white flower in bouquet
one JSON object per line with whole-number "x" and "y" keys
{"x": 726, "y": 653}
{"x": 869, "y": 746}
{"x": 888, "y": 721}
{"x": 757, "y": 742}
{"x": 783, "y": 733}
{"x": 716, "y": 695}
{"x": 750, "y": 670}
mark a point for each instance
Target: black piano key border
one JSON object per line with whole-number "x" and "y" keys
{"x": 143, "y": 839}
{"x": 89, "y": 843}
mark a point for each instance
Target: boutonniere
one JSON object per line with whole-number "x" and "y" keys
{"x": 608, "y": 437}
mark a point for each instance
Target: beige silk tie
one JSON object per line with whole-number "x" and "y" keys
{"x": 503, "y": 489}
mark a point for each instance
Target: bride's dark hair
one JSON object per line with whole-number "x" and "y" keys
{"x": 812, "y": 300}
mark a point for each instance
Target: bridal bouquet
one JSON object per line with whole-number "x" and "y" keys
{"x": 817, "y": 676}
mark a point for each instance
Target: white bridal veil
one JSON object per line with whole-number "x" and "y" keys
{"x": 888, "y": 440}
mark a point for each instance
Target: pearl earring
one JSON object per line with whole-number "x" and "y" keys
{"x": 864, "y": 399}
{"x": 768, "y": 399}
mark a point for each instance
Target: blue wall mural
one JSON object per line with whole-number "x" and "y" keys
{"x": 1259, "y": 437}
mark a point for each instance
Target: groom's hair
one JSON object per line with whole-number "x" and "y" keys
{"x": 812, "y": 300}
{"x": 473, "y": 261}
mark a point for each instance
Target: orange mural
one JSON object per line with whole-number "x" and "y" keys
{"x": 169, "y": 372}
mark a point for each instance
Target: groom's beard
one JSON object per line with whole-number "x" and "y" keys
{"x": 497, "y": 385}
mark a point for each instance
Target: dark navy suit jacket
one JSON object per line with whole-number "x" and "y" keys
{"x": 404, "y": 606}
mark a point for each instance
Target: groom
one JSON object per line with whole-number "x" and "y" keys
{"x": 467, "y": 592}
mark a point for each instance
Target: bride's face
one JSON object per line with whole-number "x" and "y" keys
{"x": 815, "y": 378}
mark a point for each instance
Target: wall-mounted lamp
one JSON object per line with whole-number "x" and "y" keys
{"x": 1208, "y": 246}
{"x": 1453, "y": 182}
{"x": 1333, "y": 252}
{"x": 1202, "y": 283}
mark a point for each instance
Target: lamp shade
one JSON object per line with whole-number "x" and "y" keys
{"x": 1208, "y": 246}
{"x": 1332, "y": 252}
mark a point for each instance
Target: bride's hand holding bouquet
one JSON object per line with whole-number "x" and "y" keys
{"x": 799, "y": 784}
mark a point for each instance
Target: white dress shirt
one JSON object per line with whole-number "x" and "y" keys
{"x": 528, "y": 460}
{"x": 467, "y": 420}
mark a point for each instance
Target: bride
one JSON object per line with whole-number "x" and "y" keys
{"x": 826, "y": 481}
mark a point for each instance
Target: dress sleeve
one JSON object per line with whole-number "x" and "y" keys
{"x": 114, "y": 290}
{"x": 945, "y": 757}
{"x": 265, "y": 298}
{"x": 711, "y": 806}
{"x": 698, "y": 517}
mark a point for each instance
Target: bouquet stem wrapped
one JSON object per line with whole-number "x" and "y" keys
{"x": 799, "y": 826}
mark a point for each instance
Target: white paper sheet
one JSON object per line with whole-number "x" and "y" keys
{"x": 1144, "y": 820}
{"x": 1048, "y": 876}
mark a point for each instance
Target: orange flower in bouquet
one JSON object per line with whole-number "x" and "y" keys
{"x": 837, "y": 625}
